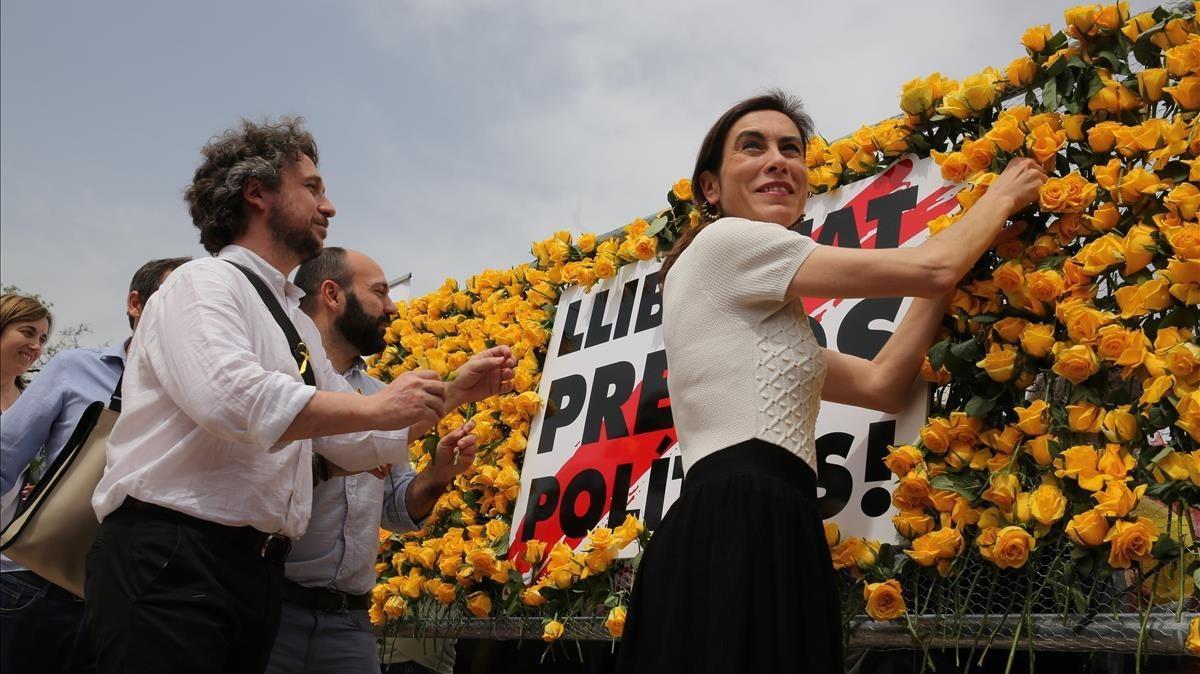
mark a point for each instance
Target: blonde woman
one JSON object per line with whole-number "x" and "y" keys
{"x": 24, "y": 328}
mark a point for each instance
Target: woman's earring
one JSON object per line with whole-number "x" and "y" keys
{"x": 710, "y": 212}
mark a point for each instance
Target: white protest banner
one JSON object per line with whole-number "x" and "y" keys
{"x": 604, "y": 446}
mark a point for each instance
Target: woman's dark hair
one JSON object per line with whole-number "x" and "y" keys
{"x": 258, "y": 151}
{"x": 712, "y": 153}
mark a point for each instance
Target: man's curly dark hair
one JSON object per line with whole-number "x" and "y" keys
{"x": 249, "y": 151}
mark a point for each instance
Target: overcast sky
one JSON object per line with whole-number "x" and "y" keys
{"x": 452, "y": 132}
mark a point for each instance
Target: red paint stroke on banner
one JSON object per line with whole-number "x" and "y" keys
{"x": 603, "y": 455}
{"x": 912, "y": 222}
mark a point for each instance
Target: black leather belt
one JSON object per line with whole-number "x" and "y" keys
{"x": 273, "y": 548}
{"x": 322, "y": 599}
{"x": 52, "y": 590}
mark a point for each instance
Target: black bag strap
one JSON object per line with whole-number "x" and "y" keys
{"x": 297, "y": 346}
{"x": 114, "y": 403}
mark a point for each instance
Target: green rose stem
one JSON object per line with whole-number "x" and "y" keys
{"x": 1145, "y": 619}
{"x": 987, "y": 605}
{"x": 959, "y": 611}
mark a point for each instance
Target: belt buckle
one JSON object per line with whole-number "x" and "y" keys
{"x": 272, "y": 543}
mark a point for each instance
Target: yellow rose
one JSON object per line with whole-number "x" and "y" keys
{"x": 999, "y": 362}
{"x": 1004, "y": 441}
{"x": 1185, "y": 240}
{"x": 479, "y": 604}
{"x": 953, "y": 165}
{"x": 902, "y": 459}
{"x": 945, "y": 543}
{"x": 1080, "y": 463}
{"x": 604, "y": 267}
{"x": 1037, "y": 339}
{"x": 1115, "y": 461}
{"x": 1130, "y": 542}
{"x": 1009, "y": 329}
{"x": 1193, "y": 638}
{"x": 682, "y": 189}
{"x": 442, "y": 591}
{"x": 1100, "y": 254}
{"x": 1183, "y": 361}
{"x": 849, "y": 552}
{"x": 1183, "y": 201}
{"x": 615, "y": 622}
{"x": 1138, "y": 25}
{"x": 1186, "y": 93}
{"x": 941, "y": 377}
{"x": 916, "y": 97}
{"x": 832, "y": 534}
{"x": 1002, "y": 490}
{"x": 1154, "y": 391}
{"x": 936, "y": 435}
{"x": 1006, "y": 134}
{"x": 1088, "y": 529}
{"x": 1120, "y": 425}
{"x": 912, "y": 524}
{"x": 885, "y": 601}
{"x": 532, "y": 596}
{"x": 912, "y": 492}
{"x": 1039, "y": 449}
{"x": 976, "y": 93}
{"x": 1104, "y": 218}
{"x": 1047, "y": 504}
{"x": 1045, "y": 285}
{"x": 1012, "y": 547}
{"x": 552, "y": 631}
{"x": 645, "y": 247}
{"x": 1137, "y": 184}
{"x": 1044, "y": 142}
{"x": 1141, "y": 299}
{"x": 1032, "y": 419}
{"x": 1075, "y": 363}
{"x": 1102, "y": 136}
{"x": 1139, "y": 248}
{"x": 1117, "y": 499}
{"x": 1035, "y": 38}
{"x": 1021, "y": 71}
{"x": 1082, "y": 19}
{"x": 978, "y": 153}
{"x": 1151, "y": 82}
{"x": 1188, "y": 408}
{"x": 1114, "y": 98}
{"x": 1183, "y": 59}
{"x": 1084, "y": 417}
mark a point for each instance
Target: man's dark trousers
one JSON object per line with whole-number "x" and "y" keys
{"x": 168, "y": 592}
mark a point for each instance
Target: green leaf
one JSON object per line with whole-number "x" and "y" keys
{"x": 1050, "y": 94}
{"x": 938, "y": 354}
{"x": 1174, "y": 171}
{"x": 968, "y": 351}
{"x": 1166, "y": 548}
{"x": 656, "y": 225}
{"x": 1146, "y": 52}
{"x": 979, "y": 406}
{"x": 963, "y": 484}
{"x": 1058, "y": 41}
{"x": 985, "y": 319}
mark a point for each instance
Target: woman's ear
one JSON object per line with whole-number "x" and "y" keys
{"x": 710, "y": 188}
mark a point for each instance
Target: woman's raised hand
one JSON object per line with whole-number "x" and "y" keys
{"x": 1018, "y": 184}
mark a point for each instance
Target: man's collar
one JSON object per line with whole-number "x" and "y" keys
{"x": 358, "y": 364}
{"x": 115, "y": 351}
{"x": 258, "y": 265}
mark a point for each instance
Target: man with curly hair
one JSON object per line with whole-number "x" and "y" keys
{"x": 211, "y": 465}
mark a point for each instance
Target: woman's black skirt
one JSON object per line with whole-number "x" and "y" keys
{"x": 738, "y": 577}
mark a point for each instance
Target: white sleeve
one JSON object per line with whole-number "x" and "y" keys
{"x": 746, "y": 263}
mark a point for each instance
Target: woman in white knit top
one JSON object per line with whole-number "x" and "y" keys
{"x": 738, "y": 577}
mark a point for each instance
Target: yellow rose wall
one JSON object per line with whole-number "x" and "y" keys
{"x": 1066, "y": 424}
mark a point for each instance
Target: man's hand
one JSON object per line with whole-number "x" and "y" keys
{"x": 413, "y": 398}
{"x": 455, "y": 453}
{"x": 486, "y": 374}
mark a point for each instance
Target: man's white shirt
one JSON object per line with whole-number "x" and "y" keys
{"x": 210, "y": 386}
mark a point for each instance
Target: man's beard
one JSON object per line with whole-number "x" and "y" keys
{"x": 362, "y": 331}
{"x": 302, "y": 241}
